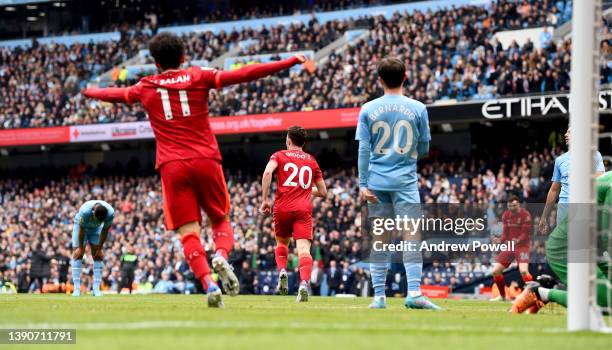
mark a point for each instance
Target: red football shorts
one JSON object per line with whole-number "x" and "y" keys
{"x": 296, "y": 224}
{"x": 520, "y": 254}
{"x": 189, "y": 185}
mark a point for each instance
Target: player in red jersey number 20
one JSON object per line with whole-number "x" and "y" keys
{"x": 188, "y": 156}
{"x": 297, "y": 171}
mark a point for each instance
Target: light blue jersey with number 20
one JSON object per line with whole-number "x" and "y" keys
{"x": 393, "y": 125}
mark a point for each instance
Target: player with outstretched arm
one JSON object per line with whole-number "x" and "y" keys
{"x": 297, "y": 172}
{"x": 91, "y": 225}
{"x": 188, "y": 156}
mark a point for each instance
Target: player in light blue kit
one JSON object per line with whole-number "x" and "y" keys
{"x": 393, "y": 132}
{"x": 559, "y": 189}
{"x": 91, "y": 224}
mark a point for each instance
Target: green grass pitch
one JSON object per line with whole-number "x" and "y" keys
{"x": 179, "y": 322}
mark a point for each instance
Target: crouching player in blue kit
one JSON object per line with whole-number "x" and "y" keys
{"x": 91, "y": 224}
{"x": 393, "y": 132}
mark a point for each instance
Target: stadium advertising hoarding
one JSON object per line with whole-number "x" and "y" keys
{"x": 34, "y": 136}
{"x": 111, "y": 132}
{"x": 531, "y": 106}
{"x": 537, "y": 106}
{"x": 541, "y": 105}
{"x": 323, "y": 119}
{"x": 334, "y": 118}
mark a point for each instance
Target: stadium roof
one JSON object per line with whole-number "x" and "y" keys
{"x": 22, "y": 2}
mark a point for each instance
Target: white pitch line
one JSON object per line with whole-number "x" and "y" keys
{"x": 225, "y": 325}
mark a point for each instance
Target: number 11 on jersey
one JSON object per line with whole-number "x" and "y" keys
{"x": 165, "y": 98}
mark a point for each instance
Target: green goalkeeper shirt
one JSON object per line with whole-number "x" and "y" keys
{"x": 604, "y": 201}
{"x": 556, "y": 245}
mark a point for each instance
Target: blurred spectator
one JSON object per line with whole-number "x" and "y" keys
{"x": 334, "y": 278}
{"x": 164, "y": 285}
{"x": 316, "y": 279}
{"x": 40, "y": 271}
{"x": 247, "y": 279}
{"x": 23, "y": 278}
{"x": 62, "y": 260}
{"x": 545, "y": 38}
{"x": 129, "y": 261}
{"x": 347, "y": 278}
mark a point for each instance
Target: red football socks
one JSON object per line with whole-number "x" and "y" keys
{"x": 305, "y": 266}
{"x": 196, "y": 258}
{"x": 501, "y": 284}
{"x": 527, "y": 278}
{"x": 223, "y": 235}
{"x": 281, "y": 253}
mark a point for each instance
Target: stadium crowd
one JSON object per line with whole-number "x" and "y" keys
{"x": 450, "y": 54}
{"x": 448, "y": 57}
{"x": 36, "y": 224}
{"x": 155, "y": 14}
{"x": 39, "y": 84}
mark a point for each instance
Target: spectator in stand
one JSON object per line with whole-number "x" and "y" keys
{"x": 129, "y": 261}
{"x": 40, "y": 271}
{"x": 164, "y": 285}
{"x": 361, "y": 283}
{"x": 334, "y": 278}
{"x": 247, "y": 278}
{"x": 347, "y": 278}
{"x": 62, "y": 260}
{"x": 545, "y": 38}
{"x": 316, "y": 279}
{"x": 23, "y": 278}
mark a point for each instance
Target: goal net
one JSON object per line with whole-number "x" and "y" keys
{"x": 589, "y": 264}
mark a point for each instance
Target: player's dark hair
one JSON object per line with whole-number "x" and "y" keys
{"x": 167, "y": 49}
{"x": 297, "y": 135}
{"x": 100, "y": 212}
{"x": 512, "y": 198}
{"x": 392, "y": 71}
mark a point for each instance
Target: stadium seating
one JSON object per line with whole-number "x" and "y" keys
{"x": 36, "y": 219}
{"x": 159, "y": 14}
{"x": 450, "y": 54}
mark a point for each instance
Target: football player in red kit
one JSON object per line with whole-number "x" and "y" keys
{"x": 517, "y": 227}
{"x": 188, "y": 156}
{"x": 297, "y": 172}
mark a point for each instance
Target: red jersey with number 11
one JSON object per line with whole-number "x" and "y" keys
{"x": 296, "y": 173}
{"x": 177, "y": 104}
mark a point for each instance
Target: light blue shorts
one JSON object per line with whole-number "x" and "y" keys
{"x": 396, "y": 203}
{"x": 393, "y": 204}
{"x": 91, "y": 236}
